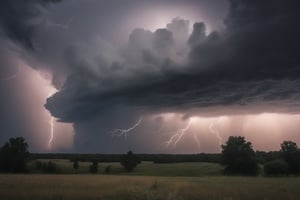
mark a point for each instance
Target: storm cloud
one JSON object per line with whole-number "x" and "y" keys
{"x": 19, "y": 20}
{"x": 109, "y": 72}
{"x": 254, "y": 61}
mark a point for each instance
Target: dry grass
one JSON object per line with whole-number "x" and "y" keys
{"x": 111, "y": 187}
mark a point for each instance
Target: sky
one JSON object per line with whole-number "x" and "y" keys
{"x": 168, "y": 76}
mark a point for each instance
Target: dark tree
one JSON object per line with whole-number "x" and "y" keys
{"x": 94, "y": 167}
{"x": 238, "y": 157}
{"x": 291, "y": 155}
{"x": 129, "y": 161}
{"x": 75, "y": 165}
{"x": 14, "y": 155}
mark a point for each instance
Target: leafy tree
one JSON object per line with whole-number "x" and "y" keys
{"x": 291, "y": 155}
{"x": 239, "y": 157}
{"x": 288, "y": 147}
{"x": 14, "y": 155}
{"x": 129, "y": 161}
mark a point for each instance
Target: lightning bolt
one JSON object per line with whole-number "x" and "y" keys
{"x": 123, "y": 132}
{"x": 178, "y": 135}
{"x": 51, "y": 122}
{"x": 51, "y": 132}
{"x": 215, "y": 131}
{"x": 196, "y": 139}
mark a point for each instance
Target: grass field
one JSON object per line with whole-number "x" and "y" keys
{"x": 112, "y": 187}
{"x": 149, "y": 181}
{"x": 144, "y": 169}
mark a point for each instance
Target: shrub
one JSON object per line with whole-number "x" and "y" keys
{"x": 38, "y": 165}
{"x": 107, "y": 169}
{"x": 50, "y": 167}
{"x": 94, "y": 167}
{"x": 276, "y": 168}
{"x": 75, "y": 165}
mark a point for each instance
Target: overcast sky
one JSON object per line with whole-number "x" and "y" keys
{"x": 168, "y": 76}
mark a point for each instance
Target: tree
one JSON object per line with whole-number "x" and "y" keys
{"x": 14, "y": 155}
{"x": 75, "y": 165}
{"x": 288, "y": 147}
{"x": 291, "y": 155}
{"x": 129, "y": 161}
{"x": 239, "y": 157}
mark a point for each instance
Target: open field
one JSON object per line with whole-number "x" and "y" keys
{"x": 111, "y": 187}
{"x": 195, "y": 169}
{"x": 149, "y": 181}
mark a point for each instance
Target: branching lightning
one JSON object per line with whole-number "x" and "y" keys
{"x": 123, "y": 132}
{"x": 179, "y": 134}
{"x": 51, "y": 122}
{"x": 215, "y": 131}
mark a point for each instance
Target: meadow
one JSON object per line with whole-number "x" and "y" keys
{"x": 121, "y": 187}
{"x": 149, "y": 181}
{"x": 193, "y": 169}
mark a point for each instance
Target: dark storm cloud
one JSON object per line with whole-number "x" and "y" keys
{"x": 19, "y": 19}
{"x": 260, "y": 40}
{"x": 198, "y": 35}
{"x": 249, "y": 65}
{"x": 254, "y": 61}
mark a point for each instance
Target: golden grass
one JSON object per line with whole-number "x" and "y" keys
{"x": 112, "y": 187}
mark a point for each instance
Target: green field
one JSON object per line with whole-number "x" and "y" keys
{"x": 110, "y": 187}
{"x": 144, "y": 169}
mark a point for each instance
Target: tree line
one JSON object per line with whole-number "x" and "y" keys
{"x": 156, "y": 158}
{"x": 237, "y": 157}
